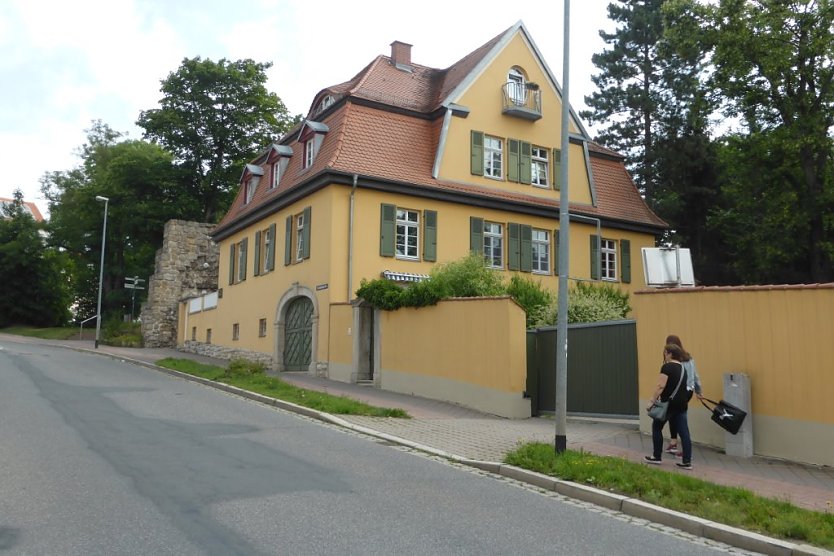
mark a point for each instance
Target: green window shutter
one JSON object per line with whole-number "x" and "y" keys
{"x": 476, "y": 235}
{"x": 288, "y": 243}
{"x": 557, "y": 168}
{"x": 270, "y": 251}
{"x": 556, "y": 252}
{"x": 387, "y": 223}
{"x": 526, "y": 248}
{"x": 512, "y": 163}
{"x": 595, "y": 241}
{"x": 231, "y": 264}
{"x": 525, "y": 160}
{"x": 477, "y": 152}
{"x": 625, "y": 259}
{"x": 244, "y": 245}
{"x": 514, "y": 247}
{"x": 430, "y": 235}
{"x": 305, "y": 233}
{"x": 257, "y": 270}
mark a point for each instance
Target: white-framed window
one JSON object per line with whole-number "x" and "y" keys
{"x": 251, "y": 185}
{"x": 608, "y": 256}
{"x": 309, "y": 152}
{"x": 276, "y": 175}
{"x": 236, "y": 331}
{"x": 408, "y": 234}
{"x": 516, "y": 89}
{"x": 299, "y": 237}
{"x": 241, "y": 262}
{"x": 541, "y": 251}
{"x": 494, "y": 244}
{"x": 326, "y": 102}
{"x": 538, "y": 170}
{"x": 493, "y": 157}
{"x": 262, "y": 328}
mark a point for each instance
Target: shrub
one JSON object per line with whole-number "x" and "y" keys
{"x": 533, "y": 298}
{"x": 115, "y": 332}
{"x": 242, "y": 367}
{"x": 382, "y": 294}
{"x": 466, "y": 277}
{"x": 589, "y": 302}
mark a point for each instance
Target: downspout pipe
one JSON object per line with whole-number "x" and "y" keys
{"x": 350, "y": 238}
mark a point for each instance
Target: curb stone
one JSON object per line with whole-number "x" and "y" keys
{"x": 726, "y": 534}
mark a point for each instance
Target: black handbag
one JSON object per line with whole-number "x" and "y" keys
{"x": 726, "y": 415}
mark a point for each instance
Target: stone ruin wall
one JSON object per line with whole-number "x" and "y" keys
{"x": 186, "y": 266}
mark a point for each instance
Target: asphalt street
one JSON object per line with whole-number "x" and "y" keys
{"x": 99, "y": 456}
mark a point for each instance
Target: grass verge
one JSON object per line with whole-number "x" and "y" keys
{"x": 252, "y": 378}
{"x": 732, "y": 506}
{"x": 57, "y": 333}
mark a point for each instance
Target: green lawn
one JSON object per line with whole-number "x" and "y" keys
{"x": 258, "y": 382}
{"x": 58, "y": 333}
{"x": 732, "y": 506}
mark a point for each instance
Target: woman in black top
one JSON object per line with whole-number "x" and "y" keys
{"x": 672, "y": 375}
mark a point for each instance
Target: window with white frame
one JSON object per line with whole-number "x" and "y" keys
{"x": 541, "y": 251}
{"x": 494, "y": 244}
{"x": 608, "y": 255}
{"x": 515, "y": 86}
{"x": 241, "y": 261}
{"x": 251, "y": 185}
{"x": 299, "y": 237}
{"x": 309, "y": 152}
{"x": 538, "y": 170}
{"x": 276, "y": 175}
{"x": 407, "y": 236}
{"x": 493, "y": 157}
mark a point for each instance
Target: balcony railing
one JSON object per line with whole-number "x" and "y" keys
{"x": 522, "y": 100}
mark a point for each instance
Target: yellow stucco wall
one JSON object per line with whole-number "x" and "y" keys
{"x": 780, "y": 337}
{"x": 484, "y": 100}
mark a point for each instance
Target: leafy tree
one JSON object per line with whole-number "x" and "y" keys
{"x": 214, "y": 117}
{"x": 35, "y": 288}
{"x": 141, "y": 183}
{"x": 774, "y": 63}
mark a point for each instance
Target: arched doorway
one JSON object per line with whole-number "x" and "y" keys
{"x": 298, "y": 334}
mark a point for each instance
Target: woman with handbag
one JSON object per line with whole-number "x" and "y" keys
{"x": 669, "y": 403}
{"x": 693, "y": 385}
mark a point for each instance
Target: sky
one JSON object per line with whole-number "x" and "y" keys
{"x": 65, "y": 64}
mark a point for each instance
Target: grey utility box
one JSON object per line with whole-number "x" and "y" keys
{"x": 737, "y": 392}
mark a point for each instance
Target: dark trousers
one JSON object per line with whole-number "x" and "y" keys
{"x": 680, "y": 423}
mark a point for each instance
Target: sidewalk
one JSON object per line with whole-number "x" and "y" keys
{"x": 472, "y": 435}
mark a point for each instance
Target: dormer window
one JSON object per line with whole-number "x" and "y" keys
{"x": 326, "y": 102}
{"x": 279, "y": 157}
{"x": 251, "y": 177}
{"x": 312, "y": 136}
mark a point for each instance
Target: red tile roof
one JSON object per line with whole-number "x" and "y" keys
{"x": 33, "y": 209}
{"x": 388, "y": 130}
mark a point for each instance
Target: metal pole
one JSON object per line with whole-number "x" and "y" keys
{"x": 561, "y": 440}
{"x": 101, "y": 269}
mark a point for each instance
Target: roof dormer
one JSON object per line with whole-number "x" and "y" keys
{"x": 249, "y": 181}
{"x": 278, "y": 158}
{"x": 311, "y": 137}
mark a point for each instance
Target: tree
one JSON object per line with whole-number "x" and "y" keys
{"x": 214, "y": 117}
{"x": 774, "y": 63}
{"x": 34, "y": 284}
{"x": 656, "y": 110}
{"x": 142, "y": 185}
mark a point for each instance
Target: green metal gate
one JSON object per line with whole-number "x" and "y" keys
{"x": 298, "y": 334}
{"x": 602, "y": 369}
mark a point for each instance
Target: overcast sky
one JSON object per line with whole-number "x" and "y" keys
{"x": 65, "y": 64}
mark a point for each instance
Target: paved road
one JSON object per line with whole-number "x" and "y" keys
{"x": 99, "y": 456}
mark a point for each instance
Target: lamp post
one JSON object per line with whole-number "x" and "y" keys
{"x": 101, "y": 269}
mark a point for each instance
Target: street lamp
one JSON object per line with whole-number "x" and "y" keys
{"x": 101, "y": 269}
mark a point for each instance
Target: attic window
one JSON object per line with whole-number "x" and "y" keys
{"x": 326, "y": 102}
{"x": 312, "y": 136}
{"x": 251, "y": 177}
{"x": 251, "y": 185}
{"x": 279, "y": 156}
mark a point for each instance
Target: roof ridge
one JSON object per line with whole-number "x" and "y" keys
{"x": 367, "y": 73}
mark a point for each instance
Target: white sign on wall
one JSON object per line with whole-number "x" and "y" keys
{"x": 667, "y": 267}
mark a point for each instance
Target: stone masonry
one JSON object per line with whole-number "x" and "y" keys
{"x": 186, "y": 266}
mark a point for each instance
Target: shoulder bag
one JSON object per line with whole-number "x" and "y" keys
{"x": 658, "y": 409}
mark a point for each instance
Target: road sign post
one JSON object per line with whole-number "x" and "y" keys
{"x": 133, "y": 284}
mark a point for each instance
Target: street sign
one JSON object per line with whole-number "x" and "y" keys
{"x": 133, "y": 287}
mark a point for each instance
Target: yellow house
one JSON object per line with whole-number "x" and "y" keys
{"x": 400, "y": 168}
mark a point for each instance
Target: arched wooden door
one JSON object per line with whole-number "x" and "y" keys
{"x": 298, "y": 334}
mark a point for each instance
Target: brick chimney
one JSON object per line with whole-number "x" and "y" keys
{"x": 401, "y": 54}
